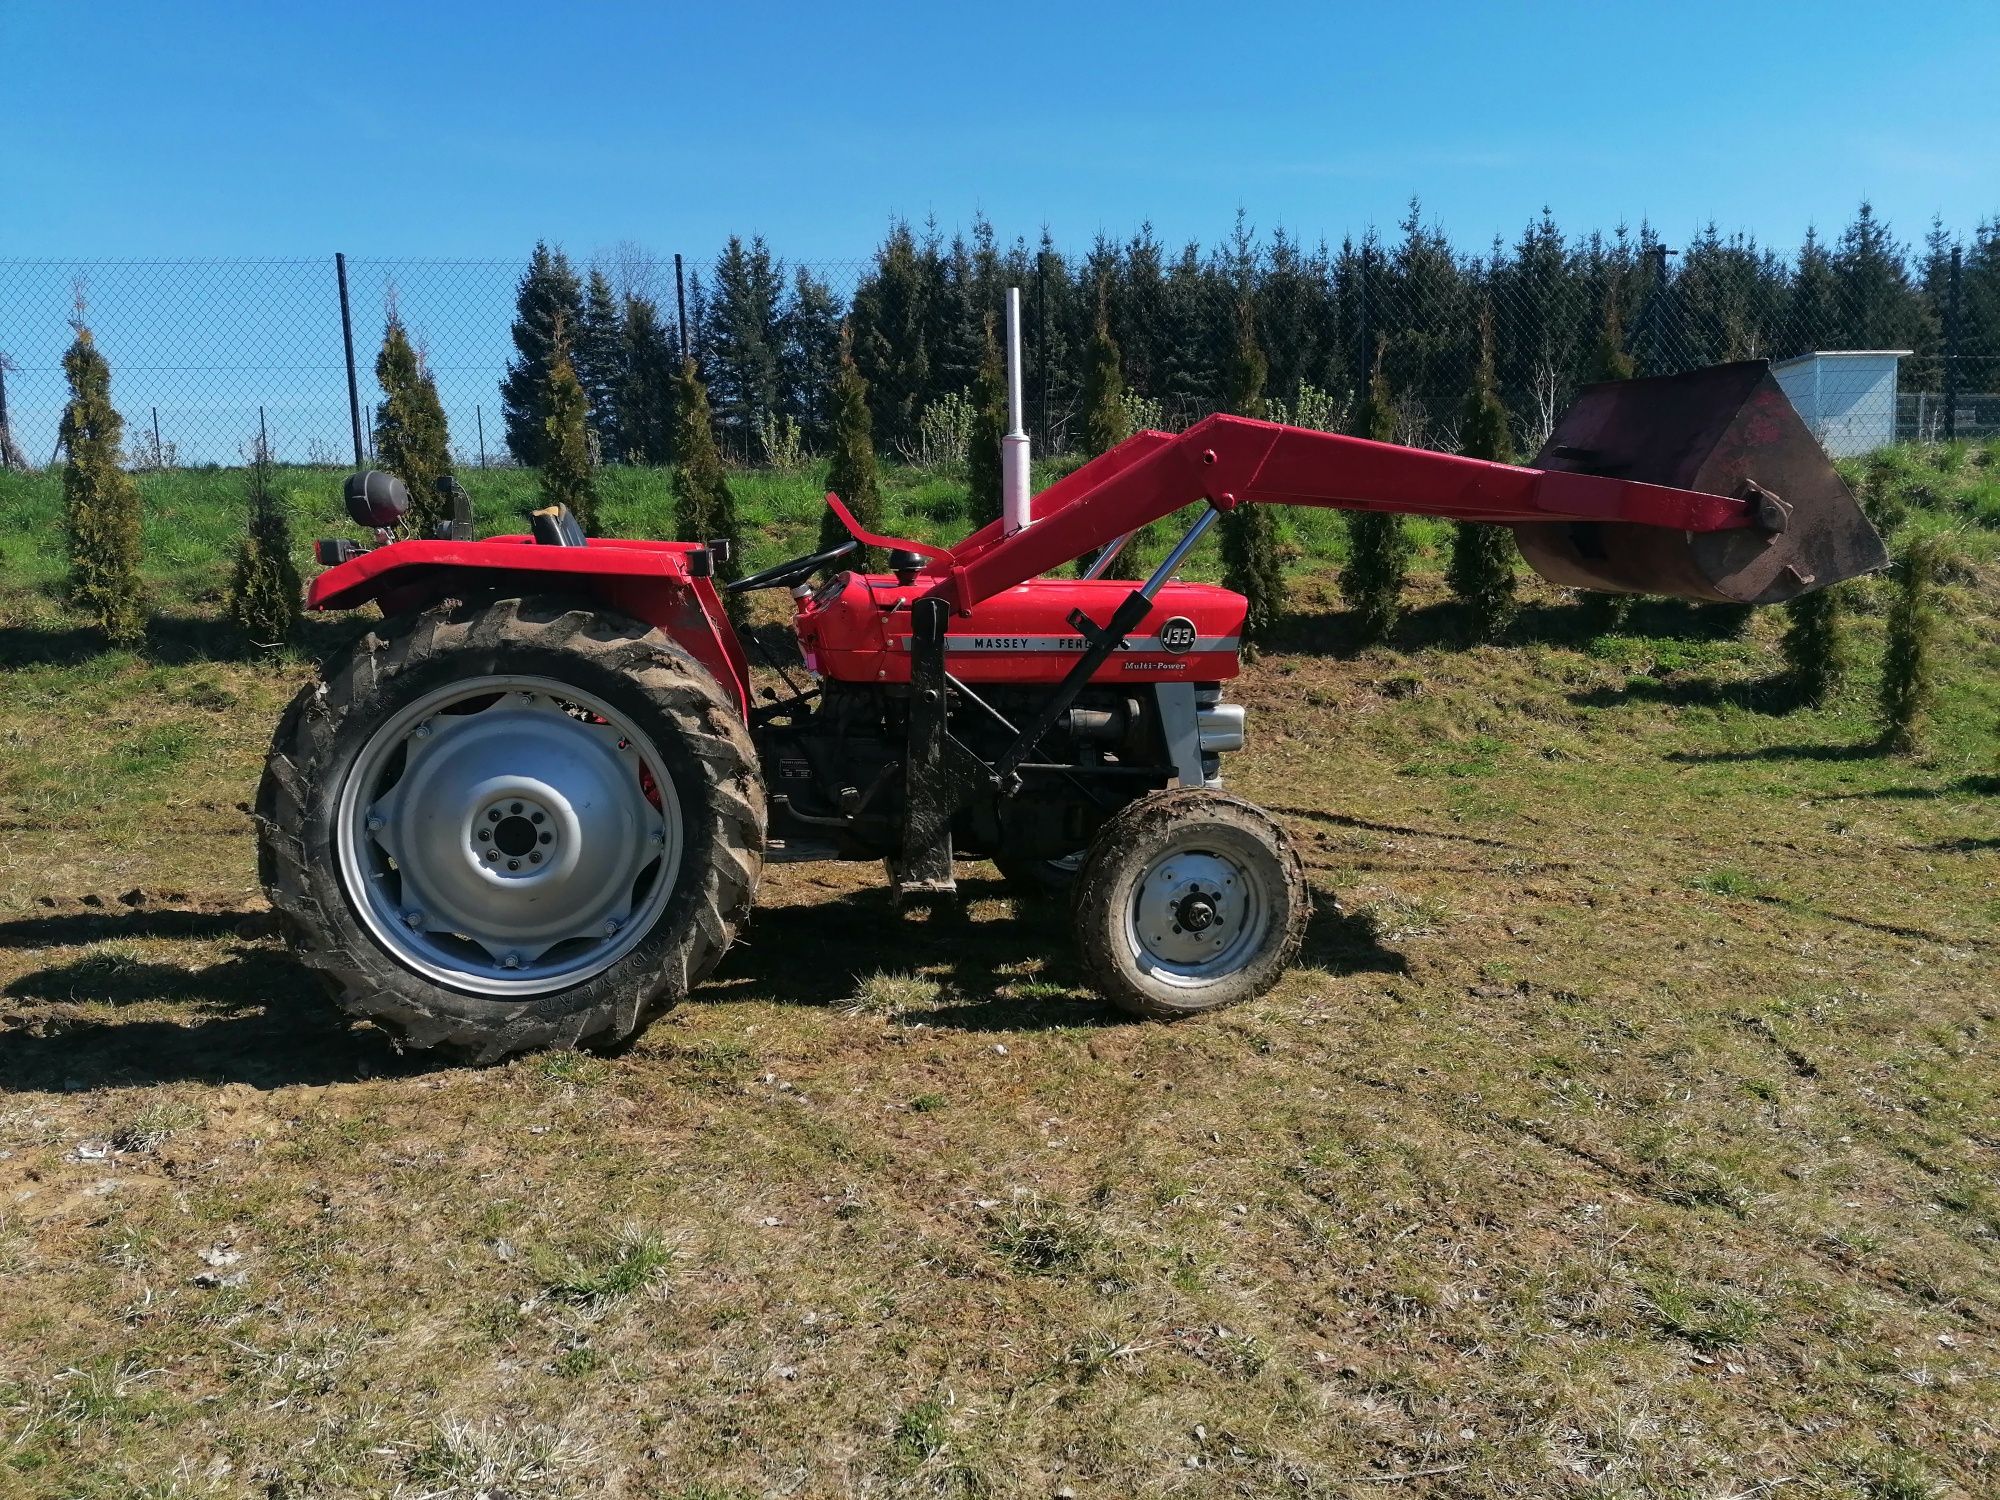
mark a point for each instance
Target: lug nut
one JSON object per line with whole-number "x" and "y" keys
{"x": 611, "y": 927}
{"x": 414, "y": 918}
{"x": 374, "y": 823}
{"x": 493, "y": 816}
{"x": 515, "y": 808}
{"x": 511, "y": 961}
{"x": 537, "y": 817}
{"x": 534, "y": 856}
{"x": 485, "y": 834}
{"x": 548, "y": 838}
{"x": 513, "y": 864}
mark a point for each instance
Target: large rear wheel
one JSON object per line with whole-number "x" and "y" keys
{"x": 517, "y": 824}
{"x": 1189, "y": 901}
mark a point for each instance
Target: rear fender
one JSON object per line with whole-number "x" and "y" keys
{"x": 647, "y": 580}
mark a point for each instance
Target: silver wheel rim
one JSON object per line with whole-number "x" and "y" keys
{"x": 508, "y": 835}
{"x": 1200, "y": 912}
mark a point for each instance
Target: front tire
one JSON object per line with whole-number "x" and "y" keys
{"x": 514, "y": 824}
{"x": 1189, "y": 901}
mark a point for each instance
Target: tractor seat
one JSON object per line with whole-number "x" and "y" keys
{"x": 554, "y": 526}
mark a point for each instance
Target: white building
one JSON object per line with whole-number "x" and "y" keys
{"x": 1847, "y": 396}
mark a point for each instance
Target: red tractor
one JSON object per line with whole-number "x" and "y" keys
{"x": 530, "y": 808}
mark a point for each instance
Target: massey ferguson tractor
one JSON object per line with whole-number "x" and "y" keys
{"x": 531, "y": 806}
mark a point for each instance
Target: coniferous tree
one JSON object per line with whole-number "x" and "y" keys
{"x": 1378, "y": 544}
{"x": 569, "y": 473}
{"x": 1817, "y": 650}
{"x": 989, "y": 425}
{"x": 100, "y": 501}
{"x": 744, "y": 338}
{"x": 598, "y": 353}
{"x": 809, "y": 363}
{"x": 890, "y": 317}
{"x": 1481, "y": 571}
{"x": 646, "y": 389}
{"x": 852, "y": 474}
{"x": 1609, "y": 361}
{"x": 1250, "y": 562}
{"x": 411, "y": 439}
{"x": 263, "y": 595}
{"x": 704, "y": 509}
{"x": 1106, "y": 423}
{"x": 549, "y": 292}
{"x": 1909, "y": 653}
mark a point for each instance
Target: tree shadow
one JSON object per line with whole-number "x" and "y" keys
{"x": 1772, "y": 694}
{"x": 1965, "y": 786}
{"x": 175, "y": 640}
{"x": 1332, "y": 631}
{"x": 77, "y": 929}
{"x": 1866, "y": 750}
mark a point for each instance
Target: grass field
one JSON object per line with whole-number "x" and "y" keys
{"x": 1631, "y": 1127}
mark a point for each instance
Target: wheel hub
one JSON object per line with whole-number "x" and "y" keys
{"x": 508, "y": 834}
{"x": 1195, "y": 912}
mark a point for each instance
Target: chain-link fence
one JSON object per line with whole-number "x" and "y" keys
{"x": 1874, "y": 344}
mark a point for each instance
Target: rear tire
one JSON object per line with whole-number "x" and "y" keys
{"x": 629, "y": 884}
{"x": 1189, "y": 901}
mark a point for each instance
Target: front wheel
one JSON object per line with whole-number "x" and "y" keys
{"x": 1189, "y": 901}
{"x": 511, "y": 825}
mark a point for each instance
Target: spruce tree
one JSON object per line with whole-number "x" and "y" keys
{"x": 704, "y": 509}
{"x": 549, "y": 293}
{"x": 1817, "y": 650}
{"x": 989, "y": 425}
{"x": 100, "y": 501}
{"x": 851, "y": 475}
{"x": 645, "y": 406}
{"x": 263, "y": 595}
{"x": 1481, "y": 571}
{"x": 1106, "y": 423}
{"x": 1250, "y": 562}
{"x": 1608, "y": 360}
{"x": 816, "y": 343}
{"x": 1378, "y": 544}
{"x": 411, "y": 440}
{"x": 569, "y": 474}
{"x": 1909, "y": 653}
{"x": 598, "y": 353}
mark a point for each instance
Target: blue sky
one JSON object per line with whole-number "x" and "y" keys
{"x": 232, "y": 129}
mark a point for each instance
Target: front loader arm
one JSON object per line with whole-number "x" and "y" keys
{"x": 1668, "y": 505}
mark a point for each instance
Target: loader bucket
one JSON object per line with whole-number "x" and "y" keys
{"x": 1727, "y": 430}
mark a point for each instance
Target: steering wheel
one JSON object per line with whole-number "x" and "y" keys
{"x": 788, "y": 573}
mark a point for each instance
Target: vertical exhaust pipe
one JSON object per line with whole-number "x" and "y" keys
{"x": 1014, "y": 446}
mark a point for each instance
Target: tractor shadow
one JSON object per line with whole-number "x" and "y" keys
{"x": 251, "y": 1016}
{"x": 177, "y": 640}
{"x": 821, "y": 953}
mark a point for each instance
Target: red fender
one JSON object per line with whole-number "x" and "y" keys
{"x": 647, "y": 580}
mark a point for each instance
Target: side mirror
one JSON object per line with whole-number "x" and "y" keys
{"x": 376, "y": 500}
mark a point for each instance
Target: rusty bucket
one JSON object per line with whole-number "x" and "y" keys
{"x": 1726, "y": 430}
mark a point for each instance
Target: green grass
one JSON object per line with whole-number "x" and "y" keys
{"x": 1625, "y": 1129}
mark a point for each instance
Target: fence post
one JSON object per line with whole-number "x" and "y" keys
{"x": 159, "y": 453}
{"x": 347, "y": 344}
{"x": 479, "y": 417}
{"x": 681, "y": 308}
{"x": 6, "y": 433}
{"x": 263, "y": 438}
{"x": 1951, "y": 350}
